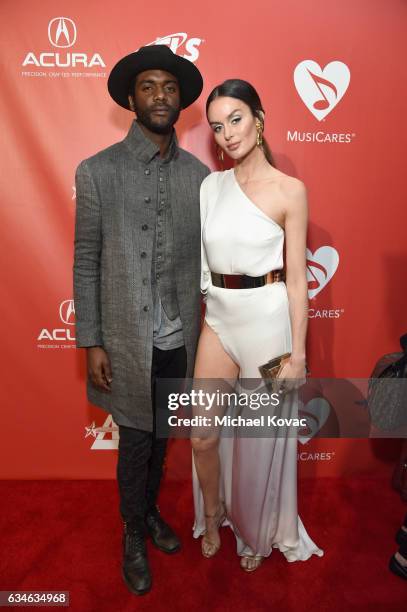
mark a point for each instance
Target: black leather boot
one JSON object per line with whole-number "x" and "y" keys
{"x": 397, "y": 568}
{"x": 401, "y": 535}
{"x": 135, "y": 570}
{"x": 162, "y": 535}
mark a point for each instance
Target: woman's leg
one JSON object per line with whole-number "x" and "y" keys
{"x": 212, "y": 362}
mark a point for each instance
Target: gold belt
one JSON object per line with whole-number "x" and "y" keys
{"x": 242, "y": 281}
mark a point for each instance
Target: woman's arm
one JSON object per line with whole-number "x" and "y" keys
{"x": 296, "y": 220}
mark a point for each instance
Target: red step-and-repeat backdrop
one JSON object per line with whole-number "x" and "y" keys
{"x": 331, "y": 76}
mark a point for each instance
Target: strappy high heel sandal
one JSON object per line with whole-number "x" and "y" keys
{"x": 251, "y": 562}
{"x": 209, "y": 548}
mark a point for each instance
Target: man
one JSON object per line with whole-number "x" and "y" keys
{"x": 136, "y": 280}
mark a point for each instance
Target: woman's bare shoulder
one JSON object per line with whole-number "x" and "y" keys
{"x": 287, "y": 188}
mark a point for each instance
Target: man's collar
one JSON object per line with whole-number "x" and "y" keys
{"x": 144, "y": 148}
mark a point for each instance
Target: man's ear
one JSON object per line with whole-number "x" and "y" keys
{"x": 131, "y": 102}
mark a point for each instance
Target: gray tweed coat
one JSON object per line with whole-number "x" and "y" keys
{"x": 113, "y": 259}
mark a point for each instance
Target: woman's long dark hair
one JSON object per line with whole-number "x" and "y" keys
{"x": 242, "y": 90}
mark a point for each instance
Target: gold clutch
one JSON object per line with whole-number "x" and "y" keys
{"x": 272, "y": 368}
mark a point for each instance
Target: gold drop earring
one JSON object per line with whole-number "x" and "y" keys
{"x": 259, "y": 139}
{"x": 219, "y": 153}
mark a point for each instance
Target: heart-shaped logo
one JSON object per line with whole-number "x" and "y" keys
{"x": 316, "y": 412}
{"x": 321, "y": 89}
{"x": 321, "y": 266}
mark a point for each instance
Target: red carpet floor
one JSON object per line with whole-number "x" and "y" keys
{"x": 66, "y": 535}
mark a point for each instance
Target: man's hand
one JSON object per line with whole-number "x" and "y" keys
{"x": 99, "y": 369}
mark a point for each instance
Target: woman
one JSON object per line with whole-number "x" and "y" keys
{"x": 246, "y": 213}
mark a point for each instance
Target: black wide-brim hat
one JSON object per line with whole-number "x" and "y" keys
{"x": 154, "y": 57}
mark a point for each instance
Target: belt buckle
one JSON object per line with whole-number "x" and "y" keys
{"x": 218, "y": 280}
{"x": 232, "y": 281}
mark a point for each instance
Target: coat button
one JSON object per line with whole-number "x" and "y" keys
{"x": 143, "y": 254}
{"x": 145, "y": 308}
{"x": 147, "y": 172}
{"x": 144, "y": 227}
{"x": 145, "y": 281}
{"x": 147, "y": 199}
{"x": 161, "y": 179}
{"x": 157, "y": 275}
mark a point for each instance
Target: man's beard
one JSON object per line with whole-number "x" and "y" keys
{"x": 158, "y": 127}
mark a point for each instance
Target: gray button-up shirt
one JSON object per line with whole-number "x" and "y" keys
{"x": 167, "y": 326}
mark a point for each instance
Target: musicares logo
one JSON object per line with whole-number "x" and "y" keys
{"x": 62, "y": 33}
{"x": 321, "y": 89}
{"x": 316, "y": 412}
{"x": 321, "y": 266}
{"x": 176, "y": 41}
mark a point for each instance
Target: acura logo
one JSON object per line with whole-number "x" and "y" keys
{"x": 62, "y": 32}
{"x": 67, "y": 312}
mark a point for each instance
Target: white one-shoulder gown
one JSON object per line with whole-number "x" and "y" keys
{"x": 258, "y": 475}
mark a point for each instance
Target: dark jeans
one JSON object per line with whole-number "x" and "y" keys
{"x": 141, "y": 453}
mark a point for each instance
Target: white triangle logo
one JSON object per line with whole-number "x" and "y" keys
{"x": 106, "y": 437}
